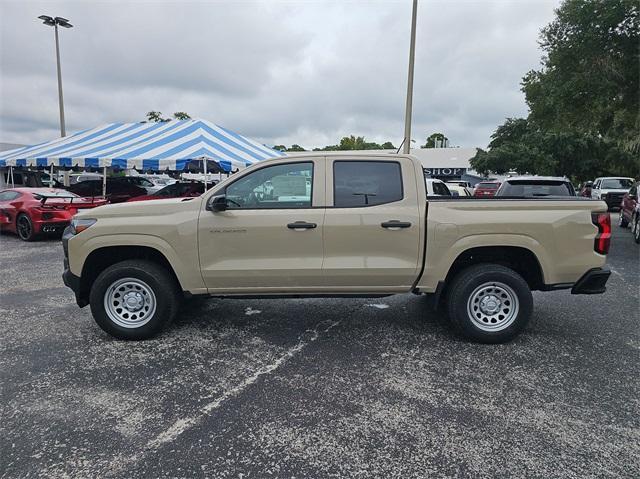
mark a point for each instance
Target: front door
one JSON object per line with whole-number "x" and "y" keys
{"x": 269, "y": 240}
{"x": 372, "y": 225}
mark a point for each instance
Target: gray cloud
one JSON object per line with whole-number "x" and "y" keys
{"x": 281, "y": 72}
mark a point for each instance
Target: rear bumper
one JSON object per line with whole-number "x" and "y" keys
{"x": 592, "y": 282}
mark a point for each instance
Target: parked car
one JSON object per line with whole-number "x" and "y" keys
{"x": 27, "y": 179}
{"x": 31, "y": 212}
{"x": 160, "y": 181}
{"x": 464, "y": 184}
{"x": 367, "y": 228}
{"x": 536, "y": 187}
{"x": 117, "y": 191}
{"x": 611, "y": 189}
{"x": 486, "y": 188}
{"x": 629, "y": 206}
{"x": 585, "y": 190}
{"x": 79, "y": 177}
{"x": 175, "y": 190}
{"x": 436, "y": 187}
{"x": 457, "y": 190}
{"x": 140, "y": 181}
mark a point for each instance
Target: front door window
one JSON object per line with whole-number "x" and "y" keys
{"x": 279, "y": 186}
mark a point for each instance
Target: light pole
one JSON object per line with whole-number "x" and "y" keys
{"x": 412, "y": 54}
{"x": 54, "y": 22}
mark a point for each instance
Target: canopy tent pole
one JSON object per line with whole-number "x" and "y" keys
{"x": 204, "y": 162}
{"x": 51, "y": 177}
{"x": 13, "y": 184}
{"x": 104, "y": 181}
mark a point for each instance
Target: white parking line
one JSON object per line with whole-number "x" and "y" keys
{"x": 182, "y": 425}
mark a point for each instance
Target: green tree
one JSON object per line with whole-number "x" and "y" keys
{"x": 590, "y": 81}
{"x": 156, "y": 116}
{"x": 295, "y": 147}
{"x": 280, "y": 147}
{"x": 180, "y": 115}
{"x": 431, "y": 140}
{"x": 387, "y": 145}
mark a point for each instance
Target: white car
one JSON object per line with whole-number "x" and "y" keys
{"x": 464, "y": 184}
{"x": 458, "y": 190}
{"x": 437, "y": 187}
{"x": 611, "y": 189}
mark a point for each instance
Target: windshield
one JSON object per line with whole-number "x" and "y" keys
{"x": 616, "y": 184}
{"x": 488, "y": 186}
{"x": 537, "y": 188}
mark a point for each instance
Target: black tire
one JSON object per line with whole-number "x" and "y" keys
{"x": 636, "y": 229}
{"x": 24, "y": 227}
{"x": 165, "y": 293}
{"x": 473, "y": 283}
{"x": 622, "y": 221}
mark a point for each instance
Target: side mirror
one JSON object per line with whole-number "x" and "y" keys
{"x": 217, "y": 203}
{"x": 455, "y": 193}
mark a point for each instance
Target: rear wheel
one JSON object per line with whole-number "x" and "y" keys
{"x": 134, "y": 299}
{"x": 489, "y": 303}
{"x": 636, "y": 228}
{"x": 24, "y": 227}
{"x": 622, "y": 221}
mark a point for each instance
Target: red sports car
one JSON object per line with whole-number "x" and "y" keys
{"x": 175, "y": 190}
{"x": 30, "y": 212}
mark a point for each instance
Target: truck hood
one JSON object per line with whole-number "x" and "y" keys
{"x": 142, "y": 208}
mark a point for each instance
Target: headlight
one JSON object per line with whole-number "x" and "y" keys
{"x": 78, "y": 225}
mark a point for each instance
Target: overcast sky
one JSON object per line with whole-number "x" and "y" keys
{"x": 280, "y": 72}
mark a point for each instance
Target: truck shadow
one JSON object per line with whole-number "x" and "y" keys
{"x": 277, "y": 317}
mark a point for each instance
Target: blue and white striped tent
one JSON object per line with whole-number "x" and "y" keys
{"x": 145, "y": 146}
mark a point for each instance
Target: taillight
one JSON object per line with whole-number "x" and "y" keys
{"x": 603, "y": 238}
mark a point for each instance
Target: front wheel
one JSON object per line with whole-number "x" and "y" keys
{"x": 636, "y": 229}
{"x": 489, "y": 303}
{"x": 134, "y": 299}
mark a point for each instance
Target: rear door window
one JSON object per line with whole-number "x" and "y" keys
{"x": 366, "y": 183}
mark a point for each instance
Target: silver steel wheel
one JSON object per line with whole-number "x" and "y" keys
{"x": 636, "y": 229}
{"x": 493, "y": 306}
{"x": 130, "y": 303}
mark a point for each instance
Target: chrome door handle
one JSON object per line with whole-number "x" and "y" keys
{"x": 301, "y": 225}
{"x": 396, "y": 224}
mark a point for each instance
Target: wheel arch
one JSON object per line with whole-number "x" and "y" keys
{"x": 518, "y": 258}
{"x": 101, "y": 258}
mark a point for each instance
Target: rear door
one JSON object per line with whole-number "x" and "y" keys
{"x": 269, "y": 240}
{"x": 372, "y": 224}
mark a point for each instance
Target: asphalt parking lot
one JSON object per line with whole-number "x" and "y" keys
{"x": 316, "y": 388}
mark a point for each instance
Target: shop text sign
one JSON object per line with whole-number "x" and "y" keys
{"x": 445, "y": 171}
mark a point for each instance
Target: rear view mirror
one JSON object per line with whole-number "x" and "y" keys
{"x": 217, "y": 203}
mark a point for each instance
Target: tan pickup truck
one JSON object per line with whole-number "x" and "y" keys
{"x": 335, "y": 225}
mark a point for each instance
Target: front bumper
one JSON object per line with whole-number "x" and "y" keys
{"x": 592, "y": 282}
{"x": 71, "y": 280}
